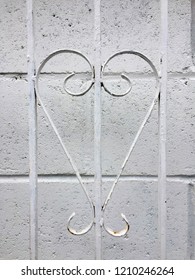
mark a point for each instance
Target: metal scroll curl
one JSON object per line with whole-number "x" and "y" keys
{"x": 124, "y": 76}
{"x": 63, "y": 51}
{"x": 69, "y": 227}
{"x": 147, "y": 116}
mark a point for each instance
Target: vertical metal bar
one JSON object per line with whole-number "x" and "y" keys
{"x": 162, "y": 215}
{"x": 193, "y": 29}
{"x": 32, "y": 132}
{"x": 97, "y": 129}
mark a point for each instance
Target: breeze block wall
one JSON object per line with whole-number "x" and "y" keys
{"x": 126, "y": 25}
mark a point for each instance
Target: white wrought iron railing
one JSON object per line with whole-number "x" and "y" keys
{"x": 97, "y": 80}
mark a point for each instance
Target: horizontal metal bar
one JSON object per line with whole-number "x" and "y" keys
{"x": 22, "y": 179}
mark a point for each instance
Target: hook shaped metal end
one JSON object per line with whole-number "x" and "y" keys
{"x": 121, "y": 232}
{"x": 75, "y": 232}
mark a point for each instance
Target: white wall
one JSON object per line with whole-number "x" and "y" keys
{"x": 129, "y": 24}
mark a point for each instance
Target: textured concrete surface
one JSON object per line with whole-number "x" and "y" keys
{"x": 133, "y": 25}
{"x": 193, "y": 30}
{"x": 61, "y": 24}
{"x": 13, "y": 37}
{"x": 14, "y": 126}
{"x": 57, "y": 201}
{"x": 14, "y": 221}
{"x": 121, "y": 118}
{"x": 141, "y": 241}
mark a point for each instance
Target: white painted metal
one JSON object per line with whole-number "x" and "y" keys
{"x": 193, "y": 29}
{"x": 162, "y": 215}
{"x": 63, "y": 145}
{"x": 99, "y": 209}
{"x": 133, "y": 144}
{"x": 97, "y": 130}
{"x": 32, "y": 134}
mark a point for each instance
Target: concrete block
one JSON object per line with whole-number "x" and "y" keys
{"x": 131, "y": 25}
{"x": 135, "y": 25}
{"x": 63, "y": 25}
{"x": 180, "y": 127}
{"x": 142, "y": 239}
{"x": 13, "y": 36}
{"x": 14, "y": 126}
{"x": 73, "y": 117}
{"x": 57, "y": 201}
{"x": 121, "y": 118}
{"x": 180, "y": 51}
{"x": 14, "y": 221}
{"x": 137, "y": 200}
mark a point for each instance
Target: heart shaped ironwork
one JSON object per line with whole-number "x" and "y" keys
{"x": 146, "y": 118}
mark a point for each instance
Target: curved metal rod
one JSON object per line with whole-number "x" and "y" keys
{"x": 85, "y": 230}
{"x": 120, "y": 232}
{"x": 123, "y": 76}
{"x": 76, "y": 93}
{"x": 146, "y": 118}
{"x": 55, "y": 53}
